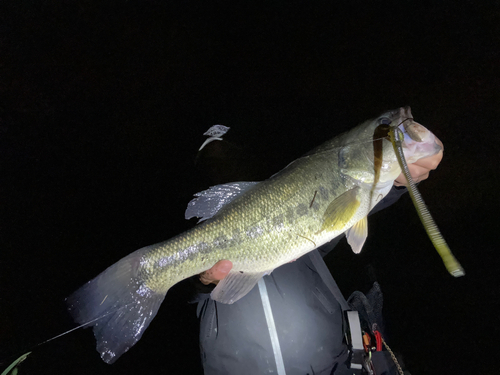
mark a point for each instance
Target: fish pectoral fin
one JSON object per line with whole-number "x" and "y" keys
{"x": 341, "y": 210}
{"x": 356, "y": 235}
{"x": 236, "y": 285}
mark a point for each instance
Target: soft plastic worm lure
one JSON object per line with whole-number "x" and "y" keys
{"x": 450, "y": 262}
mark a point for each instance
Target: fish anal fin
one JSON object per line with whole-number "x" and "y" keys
{"x": 356, "y": 235}
{"x": 341, "y": 210}
{"x": 236, "y": 285}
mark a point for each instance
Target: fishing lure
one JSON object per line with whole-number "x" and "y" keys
{"x": 449, "y": 260}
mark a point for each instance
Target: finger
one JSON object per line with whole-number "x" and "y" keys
{"x": 431, "y": 162}
{"x": 401, "y": 180}
{"x": 421, "y": 175}
{"x": 217, "y": 272}
{"x": 438, "y": 141}
{"x": 420, "y": 169}
{"x": 417, "y": 174}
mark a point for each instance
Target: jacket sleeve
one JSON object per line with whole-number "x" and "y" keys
{"x": 197, "y": 290}
{"x": 391, "y": 198}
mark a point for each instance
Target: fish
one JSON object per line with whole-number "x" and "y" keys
{"x": 258, "y": 226}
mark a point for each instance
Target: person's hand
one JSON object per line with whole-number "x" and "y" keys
{"x": 216, "y": 273}
{"x": 420, "y": 169}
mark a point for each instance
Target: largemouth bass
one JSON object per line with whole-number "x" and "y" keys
{"x": 256, "y": 225}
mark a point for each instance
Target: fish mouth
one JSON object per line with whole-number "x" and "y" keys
{"x": 417, "y": 132}
{"x": 419, "y": 142}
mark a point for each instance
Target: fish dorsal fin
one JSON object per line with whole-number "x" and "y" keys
{"x": 356, "y": 236}
{"x": 341, "y": 210}
{"x": 236, "y": 285}
{"x": 208, "y": 202}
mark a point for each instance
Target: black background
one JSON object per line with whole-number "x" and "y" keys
{"x": 102, "y": 110}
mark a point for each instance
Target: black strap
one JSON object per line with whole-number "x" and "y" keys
{"x": 325, "y": 274}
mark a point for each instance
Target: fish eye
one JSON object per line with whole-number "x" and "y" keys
{"x": 384, "y": 121}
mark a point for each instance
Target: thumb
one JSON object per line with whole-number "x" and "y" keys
{"x": 217, "y": 272}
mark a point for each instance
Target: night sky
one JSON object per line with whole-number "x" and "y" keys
{"x": 103, "y": 106}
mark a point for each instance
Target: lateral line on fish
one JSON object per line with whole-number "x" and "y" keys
{"x": 329, "y": 150}
{"x": 336, "y": 148}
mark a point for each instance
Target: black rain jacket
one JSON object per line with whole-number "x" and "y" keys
{"x": 236, "y": 339}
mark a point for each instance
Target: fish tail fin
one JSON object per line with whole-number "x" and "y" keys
{"x": 118, "y": 305}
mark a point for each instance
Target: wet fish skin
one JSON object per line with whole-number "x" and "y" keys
{"x": 277, "y": 220}
{"x": 317, "y": 197}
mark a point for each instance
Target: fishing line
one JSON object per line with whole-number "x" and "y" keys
{"x": 80, "y": 326}
{"x": 328, "y": 150}
{"x": 25, "y": 355}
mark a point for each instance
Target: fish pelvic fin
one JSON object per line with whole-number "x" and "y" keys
{"x": 341, "y": 210}
{"x": 356, "y": 235}
{"x": 118, "y": 305}
{"x": 236, "y": 285}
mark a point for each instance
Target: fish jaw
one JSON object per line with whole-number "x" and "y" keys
{"x": 419, "y": 142}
